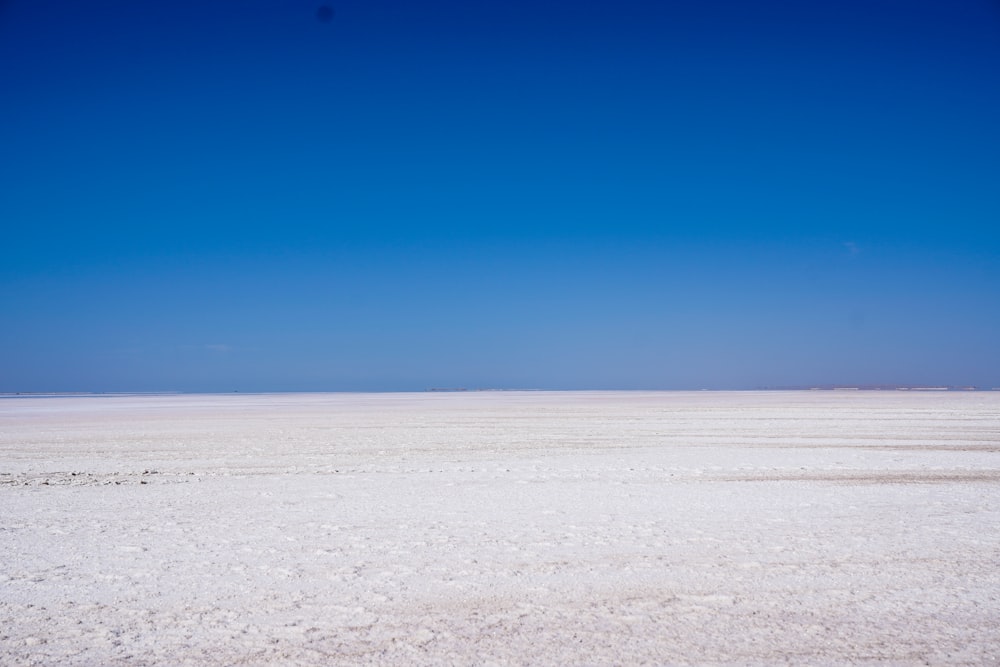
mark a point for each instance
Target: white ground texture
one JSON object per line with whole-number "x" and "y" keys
{"x": 506, "y": 528}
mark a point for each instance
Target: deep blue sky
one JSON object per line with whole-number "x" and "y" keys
{"x": 210, "y": 196}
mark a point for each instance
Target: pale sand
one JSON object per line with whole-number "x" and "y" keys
{"x": 501, "y": 528}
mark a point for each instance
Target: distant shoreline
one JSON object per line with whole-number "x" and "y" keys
{"x": 453, "y": 390}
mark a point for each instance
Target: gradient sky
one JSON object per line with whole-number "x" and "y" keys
{"x": 236, "y": 195}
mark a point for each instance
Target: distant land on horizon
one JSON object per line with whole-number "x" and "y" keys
{"x": 445, "y": 390}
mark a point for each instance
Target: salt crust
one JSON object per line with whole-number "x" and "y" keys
{"x": 501, "y": 528}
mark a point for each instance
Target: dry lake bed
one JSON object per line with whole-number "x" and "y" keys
{"x": 535, "y": 528}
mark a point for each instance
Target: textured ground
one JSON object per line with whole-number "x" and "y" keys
{"x": 501, "y": 528}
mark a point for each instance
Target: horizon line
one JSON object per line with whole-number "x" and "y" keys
{"x": 458, "y": 390}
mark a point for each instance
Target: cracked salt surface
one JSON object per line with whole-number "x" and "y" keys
{"x": 501, "y": 528}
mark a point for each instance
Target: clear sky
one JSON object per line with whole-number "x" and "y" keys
{"x": 240, "y": 195}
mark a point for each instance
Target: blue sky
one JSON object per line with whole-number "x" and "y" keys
{"x": 678, "y": 195}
